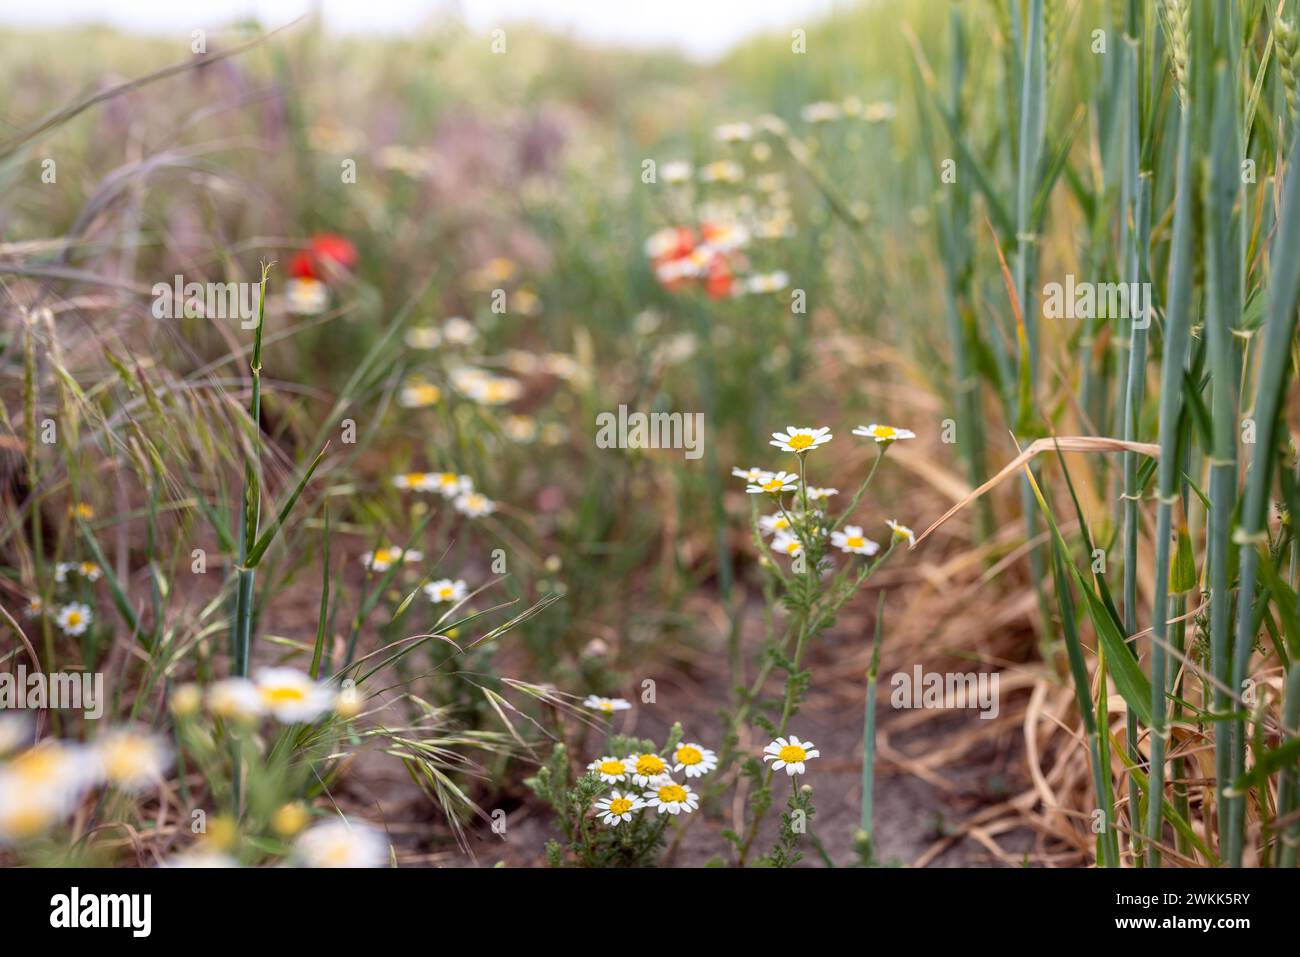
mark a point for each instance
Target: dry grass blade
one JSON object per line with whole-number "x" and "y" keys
{"x": 1065, "y": 443}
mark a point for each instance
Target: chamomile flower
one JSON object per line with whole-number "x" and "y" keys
{"x": 89, "y": 571}
{"x": 520, "y": 428}
{"x": 646, "y": 766}
{"x": 293, "y": 696}
{"x": 459, "y": 331}
{"x": 722, "y": 171}
{"x": 902, "y": 532}
{"x": 790, "y": 753}
{"x": 760, "y": 283}
{"x": 416, "y": 481}
{"x": 305, "y": 296}
{"x": 773, "y": 483}
{"x": 474, "y": 505}
{"x": 495, "y": 390}
{"x": 821, "y": 112}
{"x": 772, "y": 524}
{"x": 800, "y": 440}
{"x": 418, "y": 395}
{"x": 35, "y": 607}
{"x": 852, "y": 540}
{"x": 733, "y": 132}
{"x": 82, "y": 510}
{"x": 446, "y": 590}
{"x": 382, "y": 559}
{"x": 883, "y": 434}
{"x": 817, "y": 494}
{"x": 235, "y": 699}
{"x": 675, "y": 172}
{"x": 605, "y": 705}
{"x": 672, "y": 798}
{"x": 786, "y": 544}
{"x": 610, "y": 769}
{"x": 749, "y": 474}
{"x": 618, "y": 807}
{"x": 423, "y": 337}
{"x": 694, "y": 759}
{"x": 61, "y": 571}
{"x": 131, "y": 760}
{"x": 341, "y": 844}
{"x": 40, "y": 786}
{"x": 451, "y": 485}
{"x": 74, "y": 618}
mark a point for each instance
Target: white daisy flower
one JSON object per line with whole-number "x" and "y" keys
{"x": 773, "y": 483}
{"x": 341, "y": 844}
{"x": 459, "y": 331}
{"x": 293, "y": 696}
{"x": 74, "y": 618}
{"x": 820, "y": 112}
{"x": 475, "y": 505}
{"x": 305, "y": 296}
{"x": 131, "y": 760}
{"x": 787, "y": 544}
{"x": 800, "y": 440}
{"x": 89, "y": 571}
{"x": 790, "y": 754}
{"x": 671, "y": 798}
{"x": 722, "y": 171}
{"x": 771, "y": 524}
{"x": 884, "y": 434}
{"x": 495, "y": 390}
{"x": 851, "y": 539}
{"x": 646, "y": 766}
{"x": 416, "y": 481}
{"x": 618, "y": 807}
{"x": 817, "y": 494}
{"x": 61, "y": 570}
{"x": 902, "y": 532}
{"x": 610, "y": 769}
{"x": 418, "y": 395}
{"x": 41, "y": 786}
{"x": 694, "y": 759}
{"x": 675, "y": 171}
{"x": 385, "y": 558}
{"x": 235, "y": 699}
{"x": 451, "y": 485}
{"x": 35, "y": 607}
{"x": 733, "y": 132}
{"x": 749, "y": 474}
{"x": 760, "y": 283}
{"x": 446, "y": 590}
{"x": 423, "y": 337}
{"x": 605, "y": 705}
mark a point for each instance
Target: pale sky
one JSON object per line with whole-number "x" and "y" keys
{"x": 702, "y": 28}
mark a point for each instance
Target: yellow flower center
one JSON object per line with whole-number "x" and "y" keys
{"x": 89, "y": 568}
{"x": 74, "y": 618}
{"x": 781, "y": 524}
{"x": 425, "y": 394}
{"x": 886, "y": 431}
{"x": 855, "y": 541}
{"x": 383, "y": 557}
{"x": 792, "y": 548}
{"x": 446, "y": 591}
{"x": 672, "y": 794}
{"x": 122, "y": 758}
{"x": 447, "y": 478}
{"x": 773, "y": 485}
{"x": 792, "y": 754}
{"x": 614, "y": 768}
{"x": 800, "y": 442}
{"x": 414, "y": 478}
{"x": 689, "y": 755}
{"x": 285, "y": 694}
{"x": 619, "y": 806}
{"x": 26, "y": 820}
{"x": 38, "y": 765}
{"x": 650, "y": 764}
{"x": 606, "y": 706}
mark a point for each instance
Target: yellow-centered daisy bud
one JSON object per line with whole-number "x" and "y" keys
{"x": 289, "y": 819}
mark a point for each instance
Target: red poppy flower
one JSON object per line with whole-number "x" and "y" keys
{"x": 333, "y": 248}
{"x": 302, "y": 266}
{"x": 719, "y": 280}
